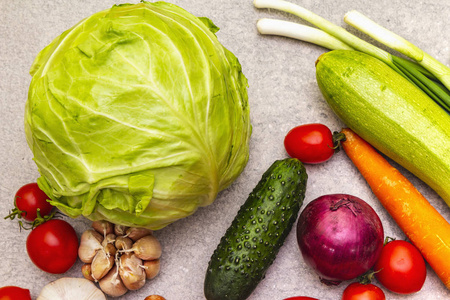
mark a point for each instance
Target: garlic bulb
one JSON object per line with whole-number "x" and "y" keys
{"x": 119, "y": 261}
{"x": 71, "y": 288}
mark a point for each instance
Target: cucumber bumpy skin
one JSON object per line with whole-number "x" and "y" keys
{"x": 256, "y": 234}
{"x": 390, "y": 113}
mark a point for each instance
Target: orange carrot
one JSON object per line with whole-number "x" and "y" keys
{"x": 418, "y": 219}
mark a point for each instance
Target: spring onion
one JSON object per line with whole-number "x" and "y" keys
{"x": 300, "y": 32}
{"x": 392, "y": 40}
{"x": 425, "y": 72}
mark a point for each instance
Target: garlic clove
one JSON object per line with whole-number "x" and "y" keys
{"x": 131, "y": 271}
{"x": 120, "y": 229}
{"x": 71, "y": 288}
{"x": 112, "y": 284}
{"x": 151, "y": 268}
{"x": 123, "y": 243}
{"x": 90, "y": 243}
{"x": 109, "y": 239}
{"x": 147, "y": 248}
{"x": 87, "y": 272}
{"x": 103, "y": 262}
{"x": 135, "y": 233}
{"x": 103, "y": 227}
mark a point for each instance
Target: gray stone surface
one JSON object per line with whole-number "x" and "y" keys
{"x": 282, "y": 92}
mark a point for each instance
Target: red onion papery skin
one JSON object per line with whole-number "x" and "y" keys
{"x": 340, "y": 236}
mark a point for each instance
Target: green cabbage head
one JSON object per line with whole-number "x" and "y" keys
{"x": 137, "y": 115}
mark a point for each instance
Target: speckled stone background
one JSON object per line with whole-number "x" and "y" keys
{"x": 282, "y": 93}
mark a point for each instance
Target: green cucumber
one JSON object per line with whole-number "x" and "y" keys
{"x": 390, "y": 113}
{"x": 259, "y": 229}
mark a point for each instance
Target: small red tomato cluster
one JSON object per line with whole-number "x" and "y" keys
{"x": 52, "y": 244}
{"x": 400, "y": 268}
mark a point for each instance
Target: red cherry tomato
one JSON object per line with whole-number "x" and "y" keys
{"x": 359, "y": 291}
{"x": 29, "y": 198}
{"x": 53, "y": 246}
{"x": 310, "y": 143}
{"x": 14, "y": 293}
{"x": 401, "y": 268}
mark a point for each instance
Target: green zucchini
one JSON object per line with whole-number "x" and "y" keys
{"x": 390, "y": 113}
{"x": 259, "y": 229}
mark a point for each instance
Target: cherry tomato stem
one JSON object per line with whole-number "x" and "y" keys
{"x": 30, "y": 204}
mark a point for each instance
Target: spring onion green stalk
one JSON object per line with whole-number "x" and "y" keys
{"x": 428, "y": 74}
{"x": 393, "y": 41}
{"x": 434, "y": 89}
{"x": 381, "y": 34}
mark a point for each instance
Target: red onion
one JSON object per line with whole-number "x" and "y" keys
{"x": 340, "y": 236}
